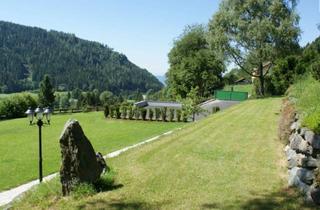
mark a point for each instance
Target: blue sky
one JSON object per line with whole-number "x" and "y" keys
{"x": 143, "y": 30}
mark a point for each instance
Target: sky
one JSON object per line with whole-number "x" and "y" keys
{"x": 143, "y": 30}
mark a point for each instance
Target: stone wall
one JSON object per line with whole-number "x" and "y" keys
{"x": 303, "y": 156}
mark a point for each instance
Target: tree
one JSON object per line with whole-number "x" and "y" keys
{"x": 46, "y": 94}
{"x": 253, "y": 32}
{"x": 106, "y": 97}
{"x": 193, "y": 64}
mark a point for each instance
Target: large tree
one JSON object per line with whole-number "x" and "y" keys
{"x": 253, "y": 32}
{"x": 193, "y": 64}
{"x": 46, "y": 94}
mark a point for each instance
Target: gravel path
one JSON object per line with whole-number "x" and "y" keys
{"x": 9, "y": 195}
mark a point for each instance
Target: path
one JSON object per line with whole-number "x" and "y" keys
{"x": 9, "y": 195}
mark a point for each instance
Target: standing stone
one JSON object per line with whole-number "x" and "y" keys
{"x": 79, "y": 162}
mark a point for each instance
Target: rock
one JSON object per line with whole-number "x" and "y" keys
{"x": 295, "y": 160}
{"x": 290, "y": 154}
{"x": 295, "y": 126}
{"x": 298, "y": 144}
{"x": 315, "y": 195}
{"x": 294, "y": 181}
{"x": 79, "y": 162}
{"x": 310, "y": 162}
{"x": 305, "y": 175}
{"x": 312, "y": 139}
{"x": 295, "y": 141}
{"x": 303, "y": 131}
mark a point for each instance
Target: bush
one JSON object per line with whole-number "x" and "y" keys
{"x": 184, "y": 116}
{"x": 215, "y": 109}
{"x": 106, "y": 111}
{"x": 171, "y": 115}
{"x": 15, "y": 106}
{"x": 179, "y": 115}
{"x": 130, "y": 112}
{"x": 157, "y": 113}
{"x": 143, "y": 114}
{"x": 150, "y": 114}
{"x": 123, "y": 110}
{"x": 136, "y": 113}
{"x": 117, "y": 111}
{"x": 164, "y": 114}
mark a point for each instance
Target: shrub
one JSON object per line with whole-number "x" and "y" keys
{"x": 179, "y": 115}
{"x": 164, "y": 114}
{"x": 150, "y": 114}
{"x": 171, "y": 115}
{"x": 184, "y": 116}
{"x": 143, "y": 114}
{"x": 106, "y": 111}
{"x": 111, "y": 108}
{"x": 130, "y": 112}
{"x": 123, "y": 110}
{"x": 117, "y": 111}
{"x": 136, "y": 113}
{"x": 157, "y": 113}
{"x": 215, "y": 109}
{"x": 16, "y": 105}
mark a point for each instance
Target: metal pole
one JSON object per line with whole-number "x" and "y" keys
{"x": 40, "y": 123}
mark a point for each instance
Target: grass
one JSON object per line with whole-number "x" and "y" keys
{"x": 306, "y": 94}
{"x": 240, "y": 88}
{"x": 230, "y": 160}
{"x": 19, "y": 142}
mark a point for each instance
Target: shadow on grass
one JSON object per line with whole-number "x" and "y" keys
{"x": 286, "y": 199}
{"x": 121, "y": 205}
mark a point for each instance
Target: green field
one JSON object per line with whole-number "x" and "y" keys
{"x": 19, "y": 142}
{"x": 231, "y": 160}
{"x": 241, "y": 88}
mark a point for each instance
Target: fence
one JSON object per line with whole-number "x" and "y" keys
{"x": 231, "y": 95}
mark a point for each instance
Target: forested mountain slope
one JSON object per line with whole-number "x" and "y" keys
{"x": 27, "y": 53}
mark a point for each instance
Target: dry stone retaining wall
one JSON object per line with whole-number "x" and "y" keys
{"x": 303, "y": 156}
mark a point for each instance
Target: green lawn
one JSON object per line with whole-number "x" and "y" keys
{"x": 19, "y": 142}
{"x": 231, "y": 160}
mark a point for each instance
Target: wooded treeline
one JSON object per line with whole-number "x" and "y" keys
{"x": 28, "y": 53}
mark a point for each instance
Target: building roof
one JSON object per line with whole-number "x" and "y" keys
{"x": 158, "y": 104}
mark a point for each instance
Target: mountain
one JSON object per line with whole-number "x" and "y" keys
{"x": 28, "y": 53}
{"x": 162, "y": 78}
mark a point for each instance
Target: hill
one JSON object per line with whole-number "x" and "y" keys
{"x": 28, "y": 53}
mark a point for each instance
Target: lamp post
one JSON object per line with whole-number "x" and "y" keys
{"x": 39, "y": 115}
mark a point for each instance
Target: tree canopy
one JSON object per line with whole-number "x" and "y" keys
{"x": 193, "y": 65}
{"x": 251, "y": 33}
{"x": 46, "y": 94}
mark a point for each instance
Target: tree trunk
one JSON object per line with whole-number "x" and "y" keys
{"x": 261, "y": 79}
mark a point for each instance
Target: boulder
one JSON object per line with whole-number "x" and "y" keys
{"x": 303, "y": 131}
{"x": 79, "y": 162}
{"x": 295, "y": 141}
{"x": 310, "y": 162}
{"x": 315, "y": 195}
{"x": 298, "y": 144}
{"x": 312, "y": 139}
{"x": 305, "y": 175}
{"x": 295, "y": 126}
{"x": 294, "y": 181}
{"x": 295, "y": 160}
